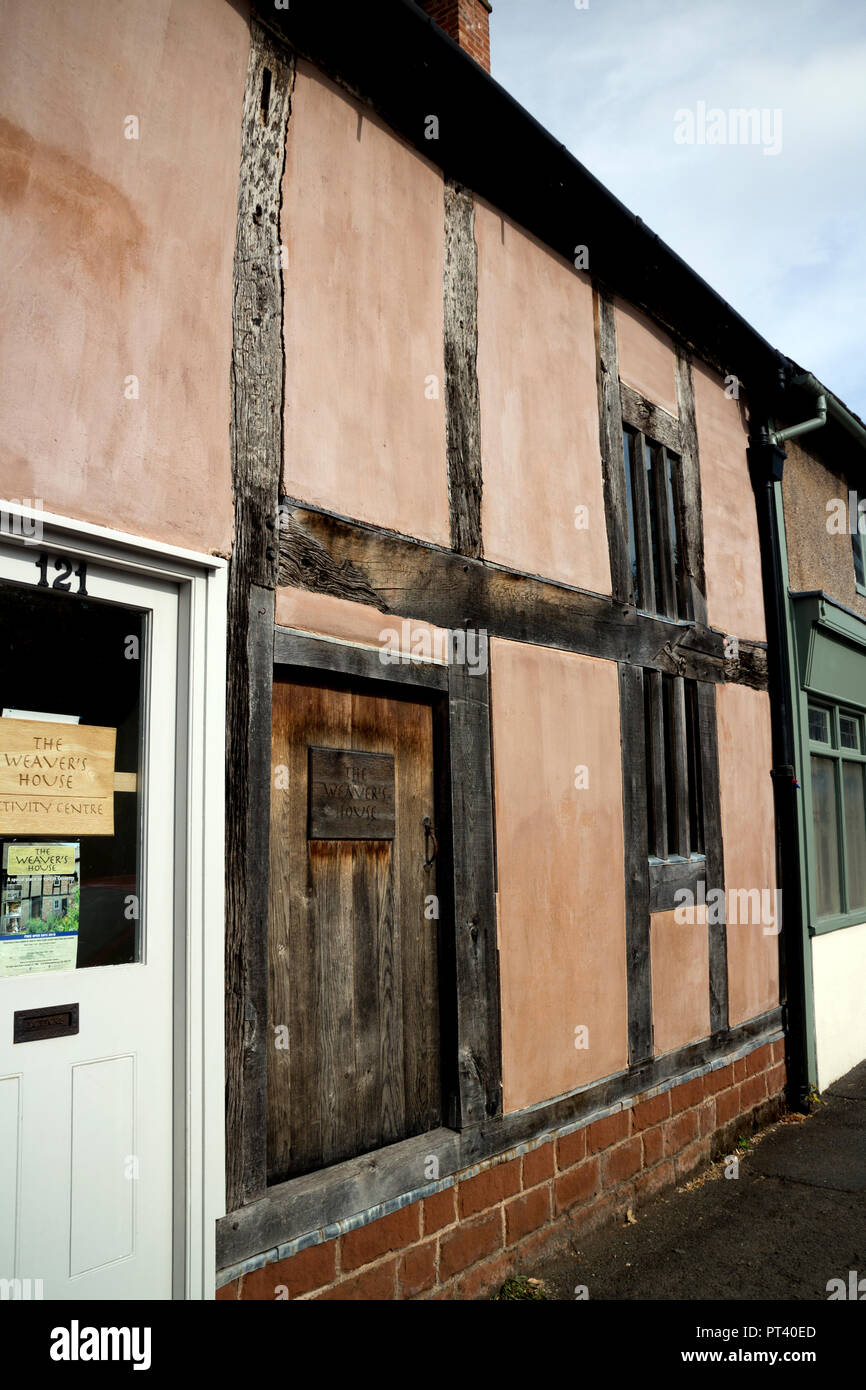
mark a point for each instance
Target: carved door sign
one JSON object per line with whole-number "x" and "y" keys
{"x": 351, "y": 795}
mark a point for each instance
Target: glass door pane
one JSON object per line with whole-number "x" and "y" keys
{"x": 70, "y": 748}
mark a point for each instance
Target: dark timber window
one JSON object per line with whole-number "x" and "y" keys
{"x": 673, "y": 767}
{"x": 655, "y": 526}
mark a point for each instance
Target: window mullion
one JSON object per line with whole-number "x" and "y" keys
{"x": 643, "y": 533}
{"x": 683, "y": 588}
{"x": 680, "y": 768}
{"x": 657, "y": 762}
{"x": 667, "y": 600}
{"x": 836, "y": 741}
{"x": 840, "y": 826}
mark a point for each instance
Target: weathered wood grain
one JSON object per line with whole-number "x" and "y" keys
{"x": 699, "y": 653}
{"x": 298, "y": 649}
{"x": 667, "y": 879}
{"x": 256, "y": 446}
{"x": 680, "y": 769}
{"x": 635, "y": 818}
{"x": 353, "y": 960}
{"x": 304, "y": 563}
{"x": 657, "y": 793}
{"x": 692, "y": 527}
{"x": 474, "y": 895}
{"x": 650, "y": 419}
{"x": 462, "y": 403}
{"x": 715, "y": 875}
{"x": 610, "y": 440}
{"x": 421, "y": 581}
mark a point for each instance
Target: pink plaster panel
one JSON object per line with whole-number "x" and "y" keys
{"x": 732, "y": 557}
{"x": 119, "y": 258}
{"x": 363, "y": 227}
{"x": 561, "y": 899}
{"x": 680, "y": 965}
{"x": 326, "y": 616}
{"x": 539, "y": 409}
{"x": 745, "y": 759}
{"x": 647, "y": 360}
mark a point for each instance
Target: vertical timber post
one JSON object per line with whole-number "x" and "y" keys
{"x": 462, "y": 400}
{"x": 256, "y": 455}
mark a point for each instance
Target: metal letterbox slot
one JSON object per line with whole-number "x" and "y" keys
{"x": 57, "y": 1021}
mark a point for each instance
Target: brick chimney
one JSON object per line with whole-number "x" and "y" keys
{"x": 467, "y": 22}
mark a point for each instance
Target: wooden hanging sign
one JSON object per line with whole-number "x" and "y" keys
{"x": 56, "y": 779}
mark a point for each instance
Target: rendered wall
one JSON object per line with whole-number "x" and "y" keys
{"x": 561, "y": 895}
{"x": 363, "y": 226}
{"x": 322, "y": 615}
{"x": 539, "y": 409}
{"x": 746, "y": 792}
{"x": 646, "y": 357}
{"x": 680, "y": 969}
{"x": 122, "y": 252}
{"x": 732, "y": 557}
{"x": 838, "y": 972}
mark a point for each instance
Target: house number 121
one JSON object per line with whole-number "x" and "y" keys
{"x": 63, "y": 572}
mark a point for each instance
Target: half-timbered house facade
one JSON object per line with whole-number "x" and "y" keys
{"x": 406, "y": 501}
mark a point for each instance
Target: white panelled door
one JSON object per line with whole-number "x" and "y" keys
{"x": 87, "y": 911}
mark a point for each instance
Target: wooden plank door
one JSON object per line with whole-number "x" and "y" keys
{"x": 354, "y": 1051}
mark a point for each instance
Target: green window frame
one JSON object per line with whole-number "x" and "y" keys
{"x": 859, "y": 551}
{"x": 837, "y": 770}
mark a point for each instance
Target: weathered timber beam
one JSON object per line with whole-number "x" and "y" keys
{"x": 256, "y": 448}
{"x": 611, "y": 445}
{"x": 635, "y": 816}
{"x": 304, "y": 563}
{"x": 411, "y": 579}
{"x": 649, "y": 419}
{"x": 692, "y": 528}
{"x": 462, "y": 400}
{"x": 717, "y": 932}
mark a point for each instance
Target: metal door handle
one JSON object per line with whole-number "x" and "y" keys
{"x": 430, "y": 834}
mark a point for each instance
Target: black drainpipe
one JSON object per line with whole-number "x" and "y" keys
{"x": 766, "y": 462}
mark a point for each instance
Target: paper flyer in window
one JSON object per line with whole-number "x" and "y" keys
{"x": 39, "y": 905}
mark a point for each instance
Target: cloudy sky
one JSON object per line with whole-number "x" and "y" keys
{"x": 780, "y": 236}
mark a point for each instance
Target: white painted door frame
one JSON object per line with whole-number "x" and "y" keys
{"x": 199, "y": 926}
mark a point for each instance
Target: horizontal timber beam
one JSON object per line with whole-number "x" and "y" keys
{"x": 328, "y": 554}
{"x": 649, "y": 419}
